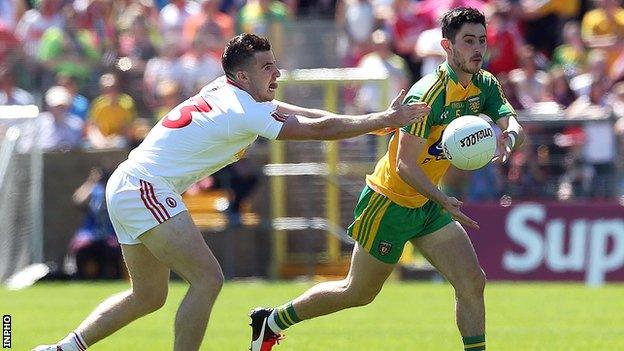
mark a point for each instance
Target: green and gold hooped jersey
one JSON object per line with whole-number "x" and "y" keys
{"x": 448, "y": 100}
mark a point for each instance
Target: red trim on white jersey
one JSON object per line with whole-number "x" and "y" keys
{"x": 232, "y": 82}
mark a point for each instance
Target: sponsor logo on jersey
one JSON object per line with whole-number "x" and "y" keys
{"x": 475, "y": 137}
{"x": 436, "y": 150}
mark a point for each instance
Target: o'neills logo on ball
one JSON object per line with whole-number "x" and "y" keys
{"x": 475, "y": 137}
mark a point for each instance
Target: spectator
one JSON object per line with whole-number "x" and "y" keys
{"x": 210, "y": 21}
{"x": 80, "y": 104}
{"x": 10, "y": 94}
{"x": 242, "y": 182}
{"x": 35, "y": 22}
{"x": 169, "y": 96}
{"x": 265, "y": 18}
{"x": 603, "y": 28}
{"x": 317, "y": 9}
{"x": 94, "y": 247}
{"x": 571, "y": 56}
{"x": 430, "y": 51}
{"x": 68, "y": 50}
{"x": 11, "y": 11}
{"x": 504, "y": 41}
{"x": 596, "y": 70}
{"x": 558, "y": 89}
{"x": 127, "y": 11}
{"x": 99, "y": 19}
{"x": 544, "y": 20}
{"x": 10, "y": 46}
{"x": 528, "y": 80}
{"x": 599, "y": 149}
{"x": 164, "y": 66}
{"x": 406, "y": 25}
{"x": 59, "y": 130}
{"x": 575, "y": 181}
{"x": 136, "y": 48}
{"x": 356, "y": 21}
{"x": 111, "y": 115}
{"x": 432, "y": 10}
{"x": 198, "y": 67}
{"x": 175, "y": 14}
{"x": 381, "y": 60}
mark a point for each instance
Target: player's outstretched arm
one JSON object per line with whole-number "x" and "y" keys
{"x": 288, "y": 109}
{"x": 510, "y": 139}
{"x": 410, "y": 146}
{"x": 333, "y": 126}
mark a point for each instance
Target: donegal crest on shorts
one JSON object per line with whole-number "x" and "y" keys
{"x": 384, "y": 248}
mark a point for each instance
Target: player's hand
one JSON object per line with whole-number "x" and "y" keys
{"x": 452, "y": 206}
{"x": 504, "y": 148}
{"x": 400, "y": 114}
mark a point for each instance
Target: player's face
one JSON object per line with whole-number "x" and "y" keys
{"x": 467, "y": 51}
{"x": 263, "y": 76}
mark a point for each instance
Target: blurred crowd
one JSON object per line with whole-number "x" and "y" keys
{"x": 104, "y": 71}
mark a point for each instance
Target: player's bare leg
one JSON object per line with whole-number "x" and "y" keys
{"x": 360, "y": 287}
{"x": 179, "y": 245}
{"x": 149, "y": 279}
{"x": 450, "y": 251}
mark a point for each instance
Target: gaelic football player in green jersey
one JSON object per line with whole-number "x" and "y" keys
{"x": 401, "y": 201}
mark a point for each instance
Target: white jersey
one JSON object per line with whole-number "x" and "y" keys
{"x": 202, "y": 135}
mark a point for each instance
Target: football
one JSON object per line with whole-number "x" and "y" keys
{"x": 469, "y": 142}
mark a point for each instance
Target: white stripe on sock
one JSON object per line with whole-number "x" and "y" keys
{"x": 271, "y": 322}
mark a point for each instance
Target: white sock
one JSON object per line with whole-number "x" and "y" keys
{"x": 271, "y": 322}
{"x": 73, "y": 342}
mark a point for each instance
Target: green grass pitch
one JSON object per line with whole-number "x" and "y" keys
{"x": 406, "y": 316}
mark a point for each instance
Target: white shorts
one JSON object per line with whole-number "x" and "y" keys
{"x": 136, "y": 206}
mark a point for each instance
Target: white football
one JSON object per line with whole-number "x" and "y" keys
{"x": 469, "y": 142}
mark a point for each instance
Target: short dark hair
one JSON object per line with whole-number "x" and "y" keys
{"x": 240, "y": 49}
{"x": 454, "y": 19}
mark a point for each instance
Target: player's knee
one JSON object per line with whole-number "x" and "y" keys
{"x": 151, "y": 300}
{"x": 210, "y": 281}
{"x": 361, "y": 297}
{"x": 473, "y": 285}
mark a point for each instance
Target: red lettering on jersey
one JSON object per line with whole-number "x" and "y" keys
{"x": 194, "y": 104}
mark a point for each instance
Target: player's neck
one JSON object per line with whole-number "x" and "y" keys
{"x": 462, "y": 77}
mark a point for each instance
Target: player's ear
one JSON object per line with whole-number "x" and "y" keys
{"x": 242, "y": 76}
{"x": 446, "y": 44}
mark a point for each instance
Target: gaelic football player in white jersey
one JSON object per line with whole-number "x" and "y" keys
{"x": 198, "y": 137}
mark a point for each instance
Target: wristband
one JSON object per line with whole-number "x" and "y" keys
{"x": 512, "y": 137}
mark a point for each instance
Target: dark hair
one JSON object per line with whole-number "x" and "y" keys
{"x": 454, "y": 19}
{"x": 240, "y": 49}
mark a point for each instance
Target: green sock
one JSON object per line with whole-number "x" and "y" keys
{"x": 474, "y": 343}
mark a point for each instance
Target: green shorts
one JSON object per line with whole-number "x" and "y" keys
{"x": 382, "y": 227}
